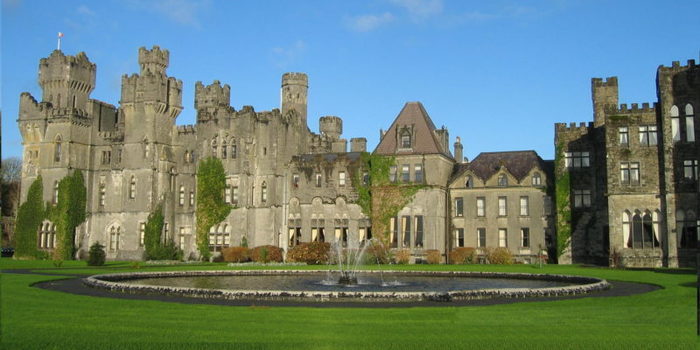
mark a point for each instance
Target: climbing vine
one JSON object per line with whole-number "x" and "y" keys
{"x": 69, "y": 212}
{"x": 562, "y": 201}
{"x": 29, "y": 217}
{"x": 211, "y": 208}
{"x": 155, "y": 246}
{"x": 379, "y": 198}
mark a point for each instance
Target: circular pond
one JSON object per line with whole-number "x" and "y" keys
{"x": 371, "y": 285}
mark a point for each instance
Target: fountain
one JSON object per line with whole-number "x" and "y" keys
{"x": 348, "y": 258}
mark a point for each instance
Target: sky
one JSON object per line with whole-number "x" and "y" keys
{"x": 497, "y": 73}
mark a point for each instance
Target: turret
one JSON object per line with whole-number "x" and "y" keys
{"x": 66, "y": 81}
{"x": 459, "y": 155}
{"x": 294, "y": 94}
{"x": 605, "y": 95}
{"x": 331, "y": 126}
{"x": 153, "y": 61}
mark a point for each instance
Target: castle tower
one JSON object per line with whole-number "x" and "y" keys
{"x": 459, "y": 151}
{"x": 66, "y": 81}
{"x": 151, "y": 101}
{"x": 207, "y": 99}
{"x": 605, "y": 95}
{"x": 294, "y": 95}
{"x": 331, "y": 126}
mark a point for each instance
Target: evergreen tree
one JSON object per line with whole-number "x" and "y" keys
{"x": 29, "y": 218}
{"x": 68, "y": 213}
{"x": 211, "y": 208}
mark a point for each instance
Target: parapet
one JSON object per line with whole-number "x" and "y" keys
{"x": 358, "y": 144}
{"x": 293, "y": 78}
{"x": 582, "y": 127}
{"x": 186, "y": 129}
{"x": 634, "y": 108}
{"x": 213, "y": 95}
{"x": 676, "y": 65}
{"x": 331, "y": 126}
{"x": 154, "y": 61}
{"x": 78, "y": 70}
{"x": 609, "y": 81}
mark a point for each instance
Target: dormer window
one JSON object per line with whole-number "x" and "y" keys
{"x": 536, "y": 179}
{"x": 406, "y": 140}
{"x": 470, "y": 182}
{"x": 502, "y": 180}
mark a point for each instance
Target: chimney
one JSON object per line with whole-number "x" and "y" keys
{"x": 459, "y": 157}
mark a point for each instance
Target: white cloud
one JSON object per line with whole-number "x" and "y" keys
{"x": 84, "y": 10}
{"x": 420, "y": 8}
{"x": 184, "y": 12}
{"x": 366, "y": 23}
{"x": 284, "y": 56}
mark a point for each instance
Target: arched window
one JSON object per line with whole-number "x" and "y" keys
{"x": 637, "y": 230}
{"x": 114, "y": 233}
{"x": 234, "y": 149}
{"x": 214, "y": 148}
{"x": 182, "y": 196}
{"x": 644, "y": 230}
{"x": 470, "y": 182}
{"x": 626, "y": 229}
{"x": 227, "y": 235}
{"x": 55, "y": 192}
{"x": 187, "y": 157}
{"x": 224, "y": 148}
{"x": 132, "y": 187}
{"x": 689, "y": 123}
{"x": 57, "y": 150}
{"x": 47, "y": 235}
{"x": 502, "y": 180}
{"x": 536, "y": 179}
{"x": 687, "y": 229}
{"x": 675, "y": 124}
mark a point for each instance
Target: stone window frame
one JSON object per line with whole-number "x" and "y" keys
{"x": 132, "y": 187}
{"x": 623, "y": 136}
{"x": 142, "y": 233}
{"x": 675, "y": 124}
{"x": 581, "y": 198}
{"x": 480, "y": 206}
{"x": 536, "y": 179}
{"x": 502, "y": 206}
{"x": 502, "y": 237}
{"x": 481, "y": 237}
{"x": 191, "y": 198}
{"x": 577, "y": 159}
{"x": 181, "y": 196}
{"x": 687, "y": 228}
{"x": 690, "y": 169}
{"x": 418, "y": 173}
{"x": 459, "y": 207}
{"x": 46, "y": 236}
{"x": 640, "y": 229}
{"x": 405, "y": 173}
{"x": 319, "y": 180}
{"x": 469, "y": 182}
{"x": 54, "y": 198}
{"x": 524, "y": 206}
{"x": 689, "y": 123}
{"x": 630, "y": 173}
{"x": 525, "y": 237}
{"x": 419, "y": 231}
{"x": 502, "y": 180}
{"x": 263, "y": 192}
{"x": 459, "y": 237}
{"x": 648, "y": 135}
{"x": 114, "y": 237}
{"x": 341, "y": 179}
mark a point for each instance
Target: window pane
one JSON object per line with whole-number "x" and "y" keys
{"x": 502, "y": 209}
{"x": 690, "y": 129}
{"x": 675, "y": 129}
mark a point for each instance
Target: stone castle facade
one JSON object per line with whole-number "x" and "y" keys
{"x": 291, "y": 185}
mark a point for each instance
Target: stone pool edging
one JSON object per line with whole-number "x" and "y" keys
{"x": 112, "y": 283}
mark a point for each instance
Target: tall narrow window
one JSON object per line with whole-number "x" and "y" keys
{"x": 214, "y": 148}
{"x": 481, "y": 237}
{"x": 166, "y": 231}
{"x": 405, "y": 139}
{"x": 341, "y": 179}
{"x": 459, "y": 237}
{"x": 191, "y": 198}
{"x": 689, "y": 123}
{"x": 625, "y": 172}
{"x": 480, "y": 206}
{"x": 623, "y": 134}
{"x": 263, "y": 193}
{"x": 132, "y": 187}
{"x": 582, "y": 198}
{"x": 419, "y": 231}
{"x": 502, "y": 237}
{"x": 634, "y": 173}
{"x": 234, "y": 195}
{"x": 103, "y": 193}
{"x": 393, "y": 230}
{"x": 524, "y": 206}
{"x": 182, "y": 196}
{"x": 470, "y": 182}
{"x": 675, "y": 124}
{"x": 234, "y": 150}
{"x": 690, "y": 169}
{"x": 502, "y": 206}
{"x": 227, "y": 194}
{"x": 114, "y": 238}
{"x": 224, "y": 149}
{"x": 626, "y": 229}
{"x": 318, "y": 180}
{"x": 55, "y": 192}
{"x": 57, "y": 150}
{"x": 459, "y": 206}
{"x": 536, "y": 179}
{"x": 142, "y": 233}
{"x": 405, "y": 174}
{"x": 392, "y": 173}
{"x": 418, "y": 173}
{"x": 525, "y": 237}
{"x": 406, "y": 229}
{"x": 295, "y": 180}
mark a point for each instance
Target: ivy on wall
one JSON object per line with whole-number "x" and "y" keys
{"x": 69, "y": 212}
{"x": 211, "y": 208}
{"x": 29, "y": 218}
{"x": 155, "y": 246}
{"x": 562, "y": 200}
{"x": 379, "y": 198}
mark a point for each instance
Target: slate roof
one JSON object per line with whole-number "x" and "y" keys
{"x": 426, "y": 142}
{"x": 486, "y": 164}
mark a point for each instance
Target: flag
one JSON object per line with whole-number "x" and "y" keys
{"x": 60, "y": 35}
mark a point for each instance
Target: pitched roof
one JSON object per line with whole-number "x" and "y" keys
{"x": 425, "y": 139}
{"x": 518, "y": 163}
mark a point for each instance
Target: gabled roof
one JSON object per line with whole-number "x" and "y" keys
{"x": 486, "y": 164}
{"x": 425, "y": 140}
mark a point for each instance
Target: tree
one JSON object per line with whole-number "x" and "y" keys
{"x": 10, "y": 179}
{"x": 211, "y": 208}
{"x": 29, "y": 218}
{"x": 152, "y": 232}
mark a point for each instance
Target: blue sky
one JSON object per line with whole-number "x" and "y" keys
{"x": 497, "y": 73}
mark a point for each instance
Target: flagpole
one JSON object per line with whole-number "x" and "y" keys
{"x": 60, "y": 35}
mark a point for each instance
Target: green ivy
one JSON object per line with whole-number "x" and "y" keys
{"x": 211, "y": 208}
{"x": 29, "y": 218}
{"x": 152, "y": 232}
{"x": 69, "y": 212}
{"x": 562, "y": 200}
{"x": 392, "y": 196}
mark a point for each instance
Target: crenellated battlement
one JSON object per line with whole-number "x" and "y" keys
{"x": 573, "y": 127}
{"x": 188, "y": 129}
{"x": 331, "y": 125}
{"x": 295, "y": 78}
{"x": 632, "y": 109}
{"x": 153, "y": 61}
{"x": 676, "y": 65}
{"x": 212, "y": 96}
{"x": 609, "y": 81}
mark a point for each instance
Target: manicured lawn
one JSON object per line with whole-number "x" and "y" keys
{"x": 40, "y": 319}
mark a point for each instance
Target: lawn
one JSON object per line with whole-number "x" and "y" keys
{"x": 38, "y": 319}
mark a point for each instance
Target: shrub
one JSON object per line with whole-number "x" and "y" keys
{"x": 402, "y": 257}
{"x": 166, "y": 251}
{"x": 314, "y": 253}
{"x": 463, "y": 255}
{"x": 377, "y": 253}
{"x": 96, "y": 255}
{"x": 500, "y": 255}
{"x": 236, "y": 254}
{"x": 433, "y": 256}
{"x": 267, "y": 253}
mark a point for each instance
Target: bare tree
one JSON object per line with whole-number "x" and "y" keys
{"x": 10, "y": 179}
{"x": 11, "y": 170}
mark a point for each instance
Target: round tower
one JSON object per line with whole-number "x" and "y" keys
{"x": 331, "y": 126}
{"x": 153, "y": 61}
{"x": 66, "y": 81}
{"x": 294, "y": 94}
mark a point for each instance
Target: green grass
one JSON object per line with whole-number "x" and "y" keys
{"x": 35, "y": 318}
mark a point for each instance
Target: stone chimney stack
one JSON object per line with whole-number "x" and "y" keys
{"x": 459, "y": 156}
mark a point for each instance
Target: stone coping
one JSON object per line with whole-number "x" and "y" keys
{"x": 113, "y": 283}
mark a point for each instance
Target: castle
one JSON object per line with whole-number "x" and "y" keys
{"x": 290, "y": 185}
